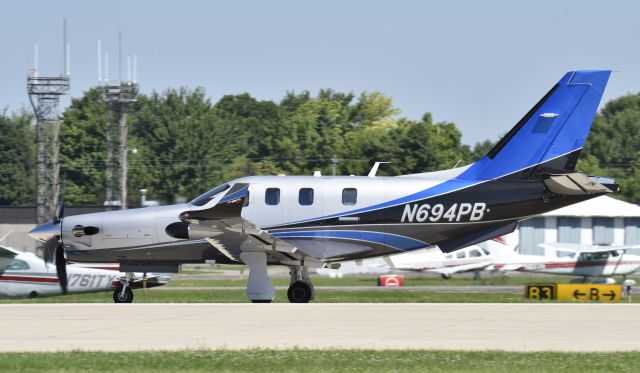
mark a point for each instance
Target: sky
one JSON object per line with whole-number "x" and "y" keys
{"x": 480, "y": 64}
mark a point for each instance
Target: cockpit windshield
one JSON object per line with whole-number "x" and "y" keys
{"x": 208, "y": 196}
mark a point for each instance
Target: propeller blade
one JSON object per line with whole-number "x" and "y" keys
{"x": 49, "y": 249}
{"x": 59, "y": 213}
{"x": 61, "y": 268}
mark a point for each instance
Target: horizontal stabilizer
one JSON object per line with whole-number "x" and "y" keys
{"x": 574, "y": 184}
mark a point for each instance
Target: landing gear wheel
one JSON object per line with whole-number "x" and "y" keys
{"x": 445, "y": 276}
{"x": 260, "y": 300}
{"x": 300, "y": 292}
{"x": 119, "y": 297}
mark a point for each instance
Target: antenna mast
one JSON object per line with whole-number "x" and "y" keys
{"x": 118, "y": 94}
{"x": 44, "y": 95}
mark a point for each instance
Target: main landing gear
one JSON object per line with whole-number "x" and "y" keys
{"x": 300, "y": 288}
{"x": 260, "y": 288}
{"x": 123, "y": 293}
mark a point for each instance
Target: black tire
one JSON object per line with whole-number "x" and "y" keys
{"x": 445, "y": 276}
{"x": 118, "y": 297}
{"x": 300, "y": 292}
{"x": 260, "y": 300}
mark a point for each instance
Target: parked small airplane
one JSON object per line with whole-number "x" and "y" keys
{"x": 469, "y": 259}
{"x": 496, "y": 255}
{"x": 314, "y": 221}
{"x": 569, "y": 259}
{"x": 23, "y": 274}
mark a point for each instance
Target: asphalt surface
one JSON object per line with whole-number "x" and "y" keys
{"x": 130, "y": 327}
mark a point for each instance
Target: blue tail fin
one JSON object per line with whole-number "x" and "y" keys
{"x": 552, "y": 132}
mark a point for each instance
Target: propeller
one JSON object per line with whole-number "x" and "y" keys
{"x": 59, "y": 213}
{"x": 53, "y": 251}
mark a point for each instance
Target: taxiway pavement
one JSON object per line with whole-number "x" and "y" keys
{"x": 512, "y": 327}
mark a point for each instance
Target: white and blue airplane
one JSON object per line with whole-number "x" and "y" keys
{"x": 315, "y": 221}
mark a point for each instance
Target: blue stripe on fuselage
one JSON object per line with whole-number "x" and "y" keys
{"x": 399, "y": 242}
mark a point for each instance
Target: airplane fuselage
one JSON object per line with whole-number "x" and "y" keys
{"x": 330, "y": 218}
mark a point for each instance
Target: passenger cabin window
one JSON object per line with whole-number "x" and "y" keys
{"x": 474, "y": 253}
{"x": 594, "y": 257}
{"x": 305, "y": 196}
{"x": 565, "y": 254}
{"x": 461, "y": 255}
{"x": 615, "y": 253}
{"x": 349, "y": 196}
{"x": 449, "y": 256}
{"x": 272, "y": 196}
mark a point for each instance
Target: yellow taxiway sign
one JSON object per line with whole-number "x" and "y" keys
{"x": 574, "y": 292}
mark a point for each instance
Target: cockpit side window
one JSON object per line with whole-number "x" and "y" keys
{"x": 208, "y": 196}
{"x": 17, "y": 265}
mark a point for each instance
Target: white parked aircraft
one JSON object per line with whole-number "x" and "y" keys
{"x": 469, "y": 259}
{"x": 497, "y": 256}
{"x": 23, "y": 274}
{"x": 568, "y": 259}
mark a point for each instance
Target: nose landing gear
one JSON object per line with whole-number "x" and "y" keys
{"x": 123, "y": 293}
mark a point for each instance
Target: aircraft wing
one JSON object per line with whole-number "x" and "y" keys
{"x": 152, "y": 281}
{"x": 461, "y": 268}
{"x": 6, "y": 252}
{"x": 223, "y": 227}
{"x": 588, "y": 248}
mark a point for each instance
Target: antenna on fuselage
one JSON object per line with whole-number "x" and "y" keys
{"x": 374, "y": 169}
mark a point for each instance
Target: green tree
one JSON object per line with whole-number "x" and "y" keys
{"x": 179, "y": 143}
{"x": 17, "y": 152}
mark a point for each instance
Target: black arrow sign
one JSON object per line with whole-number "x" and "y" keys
{"x": 577, "y": 294}
{"x": 611, "y": 294}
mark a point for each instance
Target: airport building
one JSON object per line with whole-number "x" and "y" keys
{"x": 600, "y": 221}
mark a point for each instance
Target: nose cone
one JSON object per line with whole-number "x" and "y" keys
{"x": 46, "y": 231}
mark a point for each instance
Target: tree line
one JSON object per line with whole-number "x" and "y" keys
{"x": 186, "y": 144}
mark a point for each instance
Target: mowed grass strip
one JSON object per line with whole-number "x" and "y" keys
{"x": 302, "y": 360}
{"x": 239, "y": 296}
{"x": 372, "y": 281}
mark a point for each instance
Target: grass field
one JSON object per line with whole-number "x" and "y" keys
{"x": 372, "y": 281}
{"x": 239, "y": 296}
{"x": 319, "y": 361}
{"x": 166, "y": 295}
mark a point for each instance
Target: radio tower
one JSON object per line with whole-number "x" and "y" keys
{"x": 118, "y": 95}
{"x": 44, "y": 95}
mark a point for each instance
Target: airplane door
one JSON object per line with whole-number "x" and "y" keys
{"x": 267, "y": 204}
